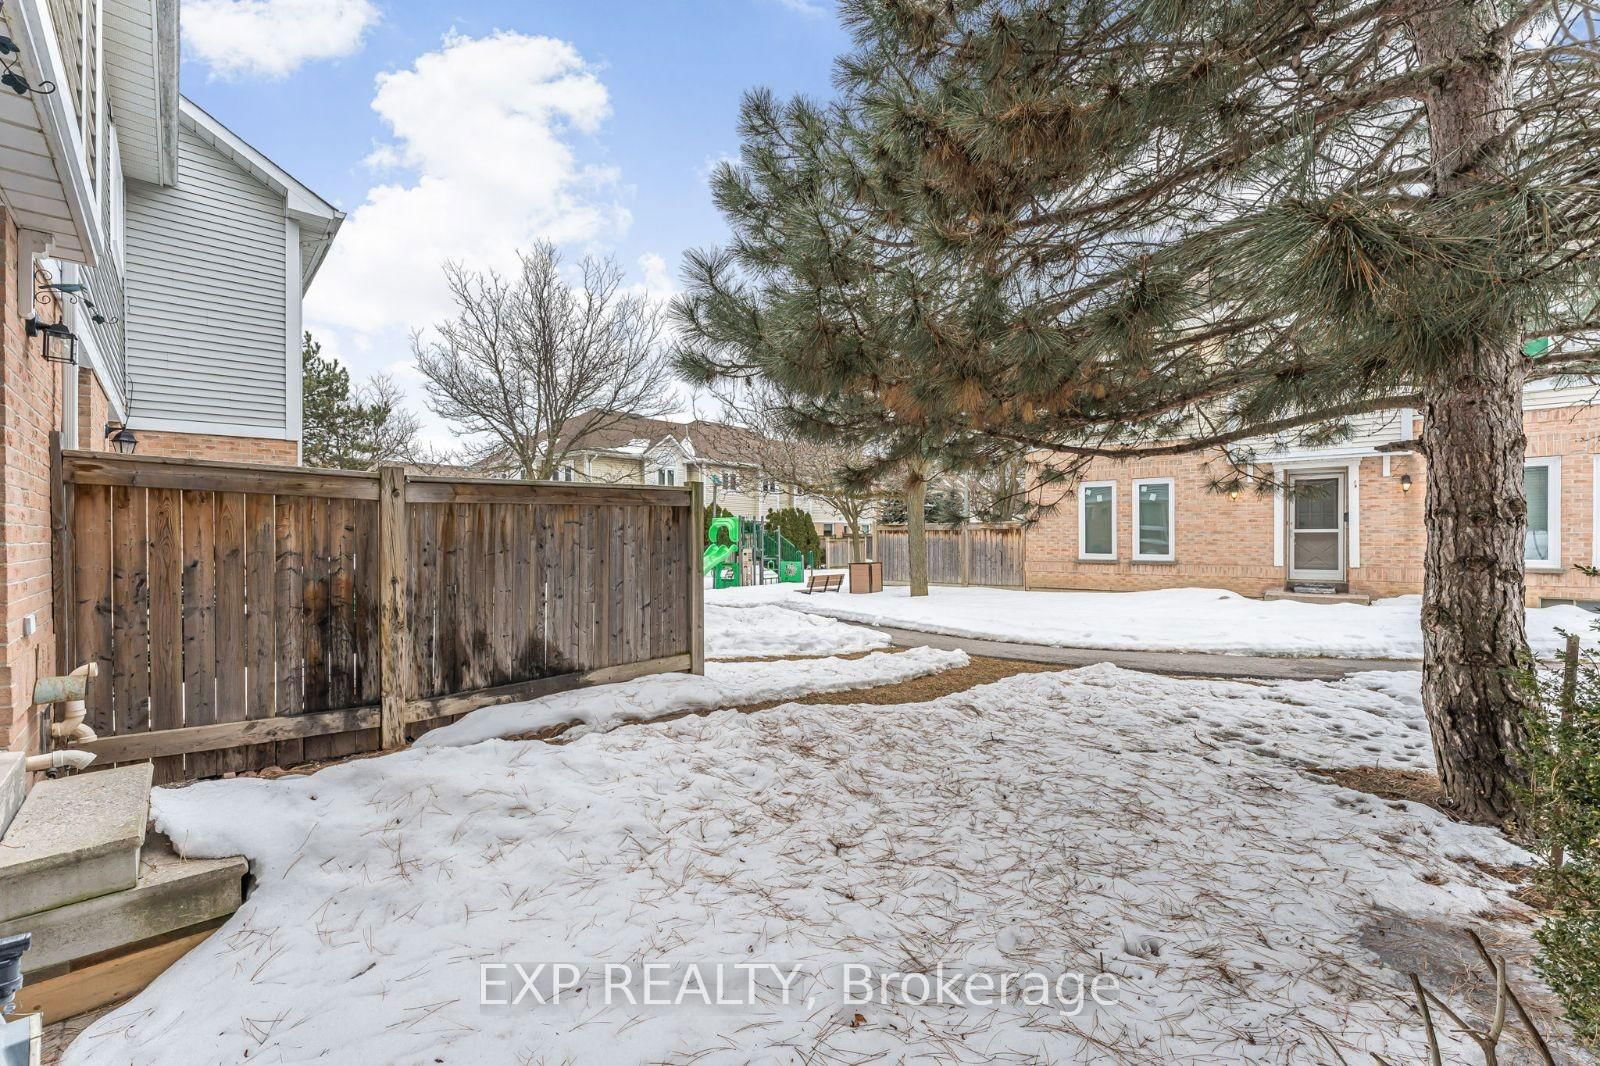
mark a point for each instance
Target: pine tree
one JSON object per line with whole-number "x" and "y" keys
{"x": 350, "y": 428}
{"x": 1130, "y": 231}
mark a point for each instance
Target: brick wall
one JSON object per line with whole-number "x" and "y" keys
{"x": 30, "y": 407}
{"x": 94, "y": 411}
{"x": 219, "y": 448}
{"x": 1224, "y": 542}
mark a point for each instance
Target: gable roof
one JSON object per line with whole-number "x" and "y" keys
{"x": 701, "y": 440}
{"x": 318, "y": 219}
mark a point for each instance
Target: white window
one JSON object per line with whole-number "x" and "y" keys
{"x": 666, "y": 477}
{"x": 730, "y": 481}
{"x": 1097, "y": 520}
{"x": 1152, "y": 520}
{"x": 567, "y": 473}
{"x": 769, "y": 485}
{"x": 1542, "y": 479}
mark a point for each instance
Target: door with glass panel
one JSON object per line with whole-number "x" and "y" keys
{"x": 1316, "y": 527}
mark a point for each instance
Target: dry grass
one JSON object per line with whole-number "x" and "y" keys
{"x": 982, "y": 671}
{"x": 1418, "y": 786}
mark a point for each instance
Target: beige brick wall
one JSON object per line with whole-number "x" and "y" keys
{"x": 219, "y": 448}
{"x": 1228, "y": 543}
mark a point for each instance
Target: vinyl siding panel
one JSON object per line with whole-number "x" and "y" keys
{"x": 208, "y": 318}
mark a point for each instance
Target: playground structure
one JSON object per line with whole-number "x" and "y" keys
{"x": 743, "y": 551}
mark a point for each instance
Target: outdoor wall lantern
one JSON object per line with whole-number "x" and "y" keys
{"x": 1405, "y": 482}
{"x": 121, "y": 438}
{"x": 60, "y": 343}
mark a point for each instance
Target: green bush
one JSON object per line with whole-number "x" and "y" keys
{"x": 1561, "y": 824}
{"x": 797, "y": 528}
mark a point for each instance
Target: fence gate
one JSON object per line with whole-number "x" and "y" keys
{"x": 246, "y": 616}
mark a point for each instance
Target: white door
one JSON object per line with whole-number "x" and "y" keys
{"x": 1316, "y": 527}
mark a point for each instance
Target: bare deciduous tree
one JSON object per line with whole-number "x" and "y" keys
{"x": 530, "y": 365}
{"x": 815, "y": 468}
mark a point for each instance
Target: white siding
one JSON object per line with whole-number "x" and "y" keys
{"x": 208, "y": 319}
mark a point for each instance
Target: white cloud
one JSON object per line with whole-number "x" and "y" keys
{"x": 482, "y": 129}
{"x": 658, "y": 283}
{"x": 272, "y": 38}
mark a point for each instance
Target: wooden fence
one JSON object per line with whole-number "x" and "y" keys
{"x": 965, "y": 554}
{"x": 244, "y": 616}
{"x": 838, "y": 552}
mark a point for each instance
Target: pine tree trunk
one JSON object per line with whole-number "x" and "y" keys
{"x": 858, "y": 543}
{"x": 1473, "y": 627}
{"x": 1472, "y": 595}
{"x": 916, "y": 529}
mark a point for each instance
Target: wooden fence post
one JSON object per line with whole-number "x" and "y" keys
{"x": 697, "y": 585}
{"x": 394, "y": 639}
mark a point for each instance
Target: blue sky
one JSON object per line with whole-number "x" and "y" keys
{"x": 464, "y": 130}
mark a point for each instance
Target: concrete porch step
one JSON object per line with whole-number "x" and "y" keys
{"x": 172, "y": 894}
{"x": 13, "y": 786}
{"x": 73, "y": 839}
{"x": 1317, "y": 597}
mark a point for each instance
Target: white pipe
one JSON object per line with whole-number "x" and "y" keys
{"x": 71, "y": 727}
{"x": 56, "y": 760}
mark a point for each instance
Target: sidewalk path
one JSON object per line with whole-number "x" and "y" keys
{"x": 1189, "y": 664}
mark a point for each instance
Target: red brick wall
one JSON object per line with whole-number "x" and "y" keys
{"x": 1228, "y": 543}
{"x": 220, "y": 448}
{"x": 30, "y": 407}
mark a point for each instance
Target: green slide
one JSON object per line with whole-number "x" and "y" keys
{"x": 715, "y": 554}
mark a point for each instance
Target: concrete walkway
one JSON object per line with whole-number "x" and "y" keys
{"x": 1188, "y": 664}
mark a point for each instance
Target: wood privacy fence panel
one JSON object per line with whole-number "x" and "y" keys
{"x": 838, "y": 553}
{"x": 967, "y": 554}
{"x": 247, "y": 616}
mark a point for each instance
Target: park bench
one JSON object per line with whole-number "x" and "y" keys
{"x": 824, "y": 583}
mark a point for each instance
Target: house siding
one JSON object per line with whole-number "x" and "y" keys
{"x": 1228, "y": 543}
{"x": 207, "y": 298}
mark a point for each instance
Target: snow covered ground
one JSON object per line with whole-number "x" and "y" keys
{"x": 765, "y": 630}
{"x": 724, "y": 685}
{"x": 1092, "y": 822}
{"x": 1200, "y": 620}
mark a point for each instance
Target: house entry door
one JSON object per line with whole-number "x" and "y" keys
{"x": 1316, "y": 527}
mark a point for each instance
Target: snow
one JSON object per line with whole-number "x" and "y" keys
{"x": 772, "y": 631}
{"x": 1095, "y": 821}
{"x": 1197, "y": 620}
{"x": 605, "y": 707}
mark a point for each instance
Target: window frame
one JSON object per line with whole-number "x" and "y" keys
{"x": 1552, "y": 464}
{"x": 1171, "y": 555}
{"x": 1084, "y": 555}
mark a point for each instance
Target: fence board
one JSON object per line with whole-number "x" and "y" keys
{"x": 91, "y": 585}
{"x": 235, "y": 610}
{"x": 230, "y": 621}
{"x": 260, "y": 625}
{"x": 166, "y": 621}
{"x": 130, "y": 577}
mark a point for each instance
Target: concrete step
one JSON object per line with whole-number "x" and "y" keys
{"x": 13, "y": 786}
{"x": 75, "y": 838}
{"x": 171, "y": 894}
{"x": 1317, "y": 597}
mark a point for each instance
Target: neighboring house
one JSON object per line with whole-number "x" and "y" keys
{"x": 726, "y": 459}
{"x": 1347, "y": 517}
{"x": 157, "y": 253}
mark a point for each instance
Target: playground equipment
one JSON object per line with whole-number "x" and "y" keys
{"x": 747, "y": 552}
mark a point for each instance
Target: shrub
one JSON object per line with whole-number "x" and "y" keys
{"x": 1561, "y": 824}
{"x": 797, "y": 528}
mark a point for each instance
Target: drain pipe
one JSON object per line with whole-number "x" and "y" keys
{"x": 70, "y": 689}
{"x": 53, "y": 762}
